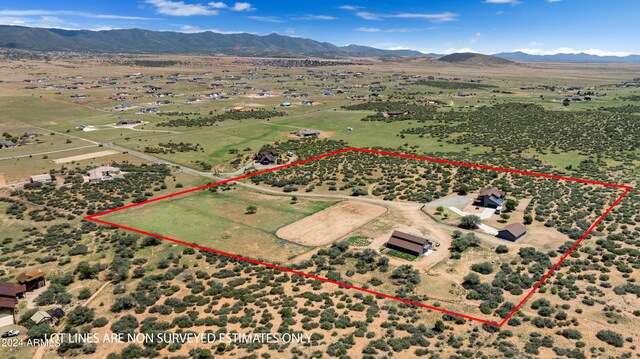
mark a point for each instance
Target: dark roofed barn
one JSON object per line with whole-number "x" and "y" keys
{"x": 32, "y": 280}
{"x": 408, "y": 243}
{"x": 512, "y": 232}
{"x": 12, "y": 290}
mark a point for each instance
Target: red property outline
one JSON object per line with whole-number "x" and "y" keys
{"x": 626, "y": 188}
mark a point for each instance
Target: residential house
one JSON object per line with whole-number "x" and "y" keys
{"x": 267, "y": 156}
{"x": 30, "y": 134}
{"x": 104, "y": 173}
{"x": 408, "y": 243}
{"x": 491, "y": 197}
{"x": 308, "y": 133}
{"x": 7, "y": 144}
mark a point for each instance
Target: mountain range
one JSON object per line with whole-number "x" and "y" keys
{"x": 240, "y": 44}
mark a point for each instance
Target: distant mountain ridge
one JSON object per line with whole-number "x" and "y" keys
{"x": 241, "y": 44}
{"x": 153, "y": 42}
{"x": 472, "y": 58}
{"x": 575, "y": 58}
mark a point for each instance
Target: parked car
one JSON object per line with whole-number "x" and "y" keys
{"x": 10, "y": 333}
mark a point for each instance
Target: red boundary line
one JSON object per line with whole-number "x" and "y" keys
{"x": 626, "y": 188}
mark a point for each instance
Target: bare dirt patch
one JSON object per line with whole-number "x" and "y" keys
{"x": 85, "y": 156}
{"x": 331, "y": 224}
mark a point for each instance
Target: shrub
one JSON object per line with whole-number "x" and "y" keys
{"x": 610, "y": 337}
{"x": 482, "y": 268}
{"x": 501, "y": 249}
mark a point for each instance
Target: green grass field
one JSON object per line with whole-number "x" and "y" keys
{"x": 220, "y": 221}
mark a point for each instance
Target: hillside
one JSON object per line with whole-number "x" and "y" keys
{"x": 145, "y": 41}
{"x": 474, "y": 59}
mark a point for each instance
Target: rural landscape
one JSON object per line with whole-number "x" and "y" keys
{"x": 291, "y": 198}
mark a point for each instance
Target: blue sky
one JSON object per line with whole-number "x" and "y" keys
{"x": 600, "y": 27}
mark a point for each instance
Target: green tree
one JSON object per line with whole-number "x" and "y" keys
{"x": 251, "y": 209}
{"x": 510, "y": 204}
{"x": 470, "y": 221}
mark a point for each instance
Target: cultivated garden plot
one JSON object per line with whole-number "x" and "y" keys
{"x": 497, "y": 288}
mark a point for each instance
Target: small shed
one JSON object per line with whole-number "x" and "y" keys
{"x": 41, "y": 317}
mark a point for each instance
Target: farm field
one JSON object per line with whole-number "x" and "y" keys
{"x": 220, "y": 221}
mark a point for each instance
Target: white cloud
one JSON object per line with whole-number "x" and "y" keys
{"x": 367, "y": 15}
{"x": 568, "y": 50}
{"x": 445, "y": 16}
{"x": 368, "y": 29}
{"x": 475, "y": 38}
{"x": 179, "y": 8}
{"x": 242, "y": 6}
{"x": 349, "y": 7}
{"x": 272, "y": 19}
{"x": 69, "y": 13}
{"x": 218, "y": 5}
{"x": 450, "y": 50}
{"x": 536, "y": 44}
{"x": 317, "y": 17}
{"x": 399, "y": 48}
{"x": 438, "y": 17}
{"x": 375, "y": 29}
{"x": 194, "y": 29}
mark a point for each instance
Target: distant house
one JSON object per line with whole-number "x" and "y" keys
{"x": 148, "y": 110}
{"x": 78, "y": 95}
{"x": 307, "y": 102}
{"x": 32, "y": 280}
{"x": 512, "y": 232}
{"x": 491, "y": 197}
{"x": 128, "y": 122}
{"x": 43, "y": 178}
{"x": 104, "y": 173}
{"x": 30, "y": 134}
{"x": 267, "y": 156}
{"x": 285, "y": 104}
{"x": 308, "y": 133}
{"x": 124, "y": 106}
{"x": 192, "y": 100}
{"x": 349, "y": 129}
{"x": 408, "y": 243}
{"x": 7, "y": 144}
